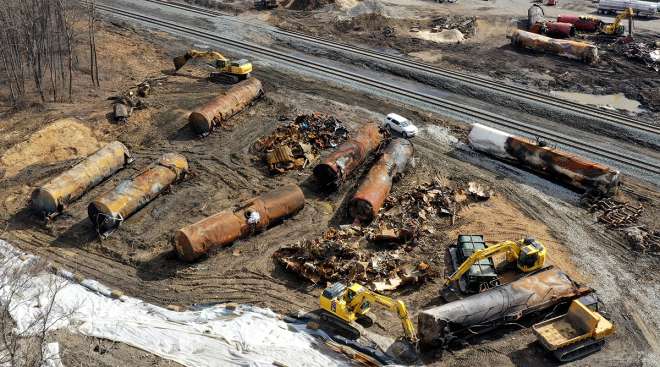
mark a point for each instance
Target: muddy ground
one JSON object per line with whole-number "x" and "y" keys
{"x": 486, "y": 50}
{"x": 138, "y": 258}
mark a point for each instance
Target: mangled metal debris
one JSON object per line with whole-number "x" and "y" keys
{"x": 196, "y": 240}
{"x": 124, "y": 104}
{"x": 616, "y": 214}
{"x": 342, "y": 255}
{"x": 642, "y": 239}
{"x": 337, "y": 166}
{"x": 442, "y": 325}
{"x": 205, "y": 118}
{"x": 574, "y": 171}
{"x": 374, "y": 189}
{"x": 297, "y": 144}
{"x": 110, "y": 209}
{"x": 53, "y": 197}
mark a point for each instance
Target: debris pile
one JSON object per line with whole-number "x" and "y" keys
{"x": 646, "y": 53}
{"x": 296, "y": 144}
{"x": 307, "y": 4}
{"x": 341, "y": 254}
{"x": 131, "y": 99}
{"x": 642, "y": 239}
{"x": 383, "y": 254}
{"x": 466, "y": 25}
{"x": 616, "y": 214}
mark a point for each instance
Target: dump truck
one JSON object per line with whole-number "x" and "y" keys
{"x": 578, "y": 333}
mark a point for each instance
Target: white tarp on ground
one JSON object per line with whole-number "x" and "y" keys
{"x": 212, "y": 336}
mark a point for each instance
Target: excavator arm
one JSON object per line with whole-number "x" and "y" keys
{"x": 480, "y": 255}
{"x": 616, "y": 27}
{"x": 181, "y": 61}
{"x": 394, "y": 306}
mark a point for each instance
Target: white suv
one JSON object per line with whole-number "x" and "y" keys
{"x": 400, "y": 124}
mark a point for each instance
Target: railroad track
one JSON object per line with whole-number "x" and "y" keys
{"x": 612, "y": 117}
{"x": 464, "y": 110}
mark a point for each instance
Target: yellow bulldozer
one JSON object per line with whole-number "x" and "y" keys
{"x": 228, "y": 71}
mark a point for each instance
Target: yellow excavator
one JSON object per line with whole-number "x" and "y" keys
{"x": 616, "y": 28}
{"x": 228, "y": 71}
{"x": 527, "y": 254}
{"x": 343, "y": 305}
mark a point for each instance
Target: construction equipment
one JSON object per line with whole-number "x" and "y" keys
{"x": 265, "y": 4}
{"x": 228, "y": 71}
{"x": 616, "y": 28}
{"x": 476, "y": 272}
{"x": 578, "y": 333}
{"x": 342, "y": 305}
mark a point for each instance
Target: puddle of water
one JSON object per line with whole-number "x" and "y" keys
{"x": 610, "y": 101}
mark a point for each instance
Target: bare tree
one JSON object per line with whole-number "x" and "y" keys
{"x": 38, "y": 41}
{"x": 21, "y": 286}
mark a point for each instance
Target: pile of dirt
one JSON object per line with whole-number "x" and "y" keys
{"x": 296, "y": 144}
{"x": 307, "y": 4}
{"x": 63, "y": 139}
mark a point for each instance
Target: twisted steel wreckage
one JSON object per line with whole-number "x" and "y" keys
{"x": 526, "y": 296}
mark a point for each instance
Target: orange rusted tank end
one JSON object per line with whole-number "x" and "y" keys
{"x": 205, "y": 118}
{"x": 337, "y": 166}
{"x": 113, "y": 207}
{"x": 196, "y": 240}
{"x": 51, "y": 198}
{"x": 373, "y": 191}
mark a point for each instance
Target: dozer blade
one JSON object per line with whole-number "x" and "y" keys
{"x": 179, "y": 62}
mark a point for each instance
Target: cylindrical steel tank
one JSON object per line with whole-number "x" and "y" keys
{"x": 574, "y": 171}
{"x": 582, "y": 23}
{"x": 373, "y": 191}
{"x": 206, "y": 117}
{"x": 559, "y": 30}
{"x": 567, "y": 48}
{"x": 113, "y": 207}
{"x": 51, "y": 198}
{"x": 195, "y": 240}
{"x": 336, "y": 167}
{"x": 540, "y": 291}
{"x": 535, "y": 15}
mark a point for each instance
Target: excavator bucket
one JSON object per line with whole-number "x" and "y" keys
{"x": 179, "y": 62}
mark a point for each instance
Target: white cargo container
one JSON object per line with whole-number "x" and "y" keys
{"x": 641, "y": 8}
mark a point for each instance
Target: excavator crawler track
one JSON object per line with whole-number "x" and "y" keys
{"x": 578, "y": 350}
{"x": 335, "y": 322}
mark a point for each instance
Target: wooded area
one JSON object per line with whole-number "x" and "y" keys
{"x": 39, "y": 40}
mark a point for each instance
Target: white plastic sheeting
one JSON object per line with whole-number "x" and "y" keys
{"x": 210, "y": 336}
{"x": 489, "y": 140}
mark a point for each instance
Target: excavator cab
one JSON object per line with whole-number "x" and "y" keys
{"x": 532, "y": 255}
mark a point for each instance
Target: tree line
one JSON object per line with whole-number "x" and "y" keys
{"x": 37, "y": 43}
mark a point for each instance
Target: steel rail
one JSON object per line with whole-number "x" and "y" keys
{"x": 465, "y": 110}
{"x": 594, "y": 112}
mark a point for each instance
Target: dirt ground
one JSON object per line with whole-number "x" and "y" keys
{"x": 138, "y": 258}
{"x": 485, "y": 50}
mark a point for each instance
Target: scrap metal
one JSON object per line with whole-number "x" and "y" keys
{"x": 473, "y": 315}
{"x": 370, "y": 196}
{"x": 337, "y": 166}
{"x": 109, "y": 210}
{"x": 572, "y": 49}
{"x": 195, "y": 240}
{"x": 53, "y": 197}
{"x": 296, "y": 144}
{"x": 205, "y": 118}
{"x": 574, "y": 171}
{"x": 642, "y": 239}
{"x": 616, "y": 214}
